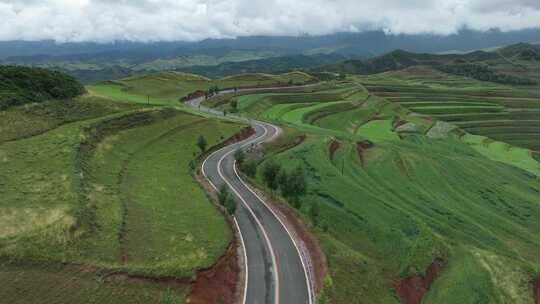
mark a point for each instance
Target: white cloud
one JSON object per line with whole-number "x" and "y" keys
{"x": 154, "y": 20}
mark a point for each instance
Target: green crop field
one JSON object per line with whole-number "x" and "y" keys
{"x": 402, "y": 190}
{"x": 98, "y": 200}
{"x": 468, "y": 102}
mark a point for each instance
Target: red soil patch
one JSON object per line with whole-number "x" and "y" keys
{"x": 400, "y": 123}
{"x": 217, "y": 284}
{"x": 536, "y": 290}
{"x": 362, "y": 148}
{"x": 412, "y": 290}
{"x": 193, "y": 95}
{"x": 334, "y": 146}
{"x": 245, "y": 133}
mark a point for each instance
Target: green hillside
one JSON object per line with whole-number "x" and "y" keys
{"x": 409, "y": 206}
{"x": 167, "y": 88}
{"x": 99, "y": 204}
{"x": 21, "y": 85}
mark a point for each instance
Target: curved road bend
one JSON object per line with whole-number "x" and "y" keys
{"x": 275, "y": 271}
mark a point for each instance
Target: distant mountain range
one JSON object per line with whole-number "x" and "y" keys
{"x": 514, "y": 64}
{"x": 91, "y": 62}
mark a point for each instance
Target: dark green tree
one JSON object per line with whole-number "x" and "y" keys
{"x": 249, "y": 168}
{"x": 223, "y": 194}
{"x": 234, "y": 106}
{"x": 230, "y": 204}
{"x": 201, "y": 143}
{"x": 240, "y": 157}
{"x": 293, "y": 186}
{"x": 270, "y": 175}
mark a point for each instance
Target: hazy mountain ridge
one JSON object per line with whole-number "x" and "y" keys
{"x": 91, "y": 62}
{"x": 481, "y": 65}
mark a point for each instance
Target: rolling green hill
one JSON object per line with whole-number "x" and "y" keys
{"x": 169, "y": 87}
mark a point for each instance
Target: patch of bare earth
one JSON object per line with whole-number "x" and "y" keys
{"x": 412, "y": 290}
{"x": 334, "y": 146}
{"x": 362, "y": 148}
{"x": 536, "y": 290}
{"x": 219, "y": 283}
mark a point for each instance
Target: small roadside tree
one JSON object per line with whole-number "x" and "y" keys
{"x": 201, "y": 143}
{"x": 250, "y": 168}
{"x": 294, "y": 186}
{"x": 270, "y": 175}
{"x": 240, "y": 157}
{"x": 234, "y": 106}
{"x": 223, "y": 194}
{"x": 230, "y": 204}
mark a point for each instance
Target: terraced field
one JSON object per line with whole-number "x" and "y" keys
{"x": 98, "y": 203}
{"x": 502, "y": 113}
{"x": 409, "y": 207}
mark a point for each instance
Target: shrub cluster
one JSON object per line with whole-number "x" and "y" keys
{"x": 292, "y": 183}
{"x": 227, "y": 200}
{"x": 22, "y": 85}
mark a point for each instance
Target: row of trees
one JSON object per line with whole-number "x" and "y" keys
{"x": 213, "y": 90}
{"x": 227, "y": 200}
{"x": 293, "y": 187}
{"x": 292, "y": 184}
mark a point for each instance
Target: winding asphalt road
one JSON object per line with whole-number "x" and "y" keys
{"x": 276, "y": 272}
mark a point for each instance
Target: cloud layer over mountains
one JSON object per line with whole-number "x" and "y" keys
{"x": 172, "y": 20}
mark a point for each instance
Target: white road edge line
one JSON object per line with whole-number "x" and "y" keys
{"x": 239, "y": 233}
{"x": 245, "y": 259}
{"x": 284, "y": 227}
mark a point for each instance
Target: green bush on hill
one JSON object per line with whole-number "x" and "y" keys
{"x": 21, "y": 85}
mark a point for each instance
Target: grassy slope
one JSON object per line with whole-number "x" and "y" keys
{"x": 43, "y": 185}
{"x": 404, "y": 203}
{"x": 137, "y": 172}
{"x": 168, "y": 87}
{"x": 34, "y": 119}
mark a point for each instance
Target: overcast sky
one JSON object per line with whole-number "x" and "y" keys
{"x": 155, "y": 20}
